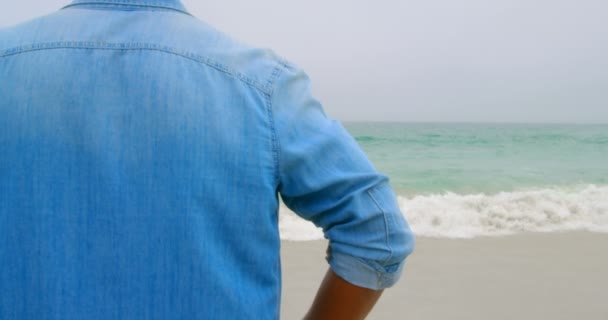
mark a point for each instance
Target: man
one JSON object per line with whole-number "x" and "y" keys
{"x": 142, "y": 155}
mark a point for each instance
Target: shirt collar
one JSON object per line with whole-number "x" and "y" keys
{"x": 168, "y": 4}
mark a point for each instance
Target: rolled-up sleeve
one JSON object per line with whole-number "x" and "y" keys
{"x": 324, "y": 177}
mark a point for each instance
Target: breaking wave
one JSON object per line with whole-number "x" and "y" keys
{"x": 452, "y": 215}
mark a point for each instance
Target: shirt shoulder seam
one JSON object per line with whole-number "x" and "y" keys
{"x": 276, "y": 145}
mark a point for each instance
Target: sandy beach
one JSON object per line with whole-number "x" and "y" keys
{"x": 526, "y": 276}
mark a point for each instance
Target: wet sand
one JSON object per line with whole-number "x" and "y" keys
{"x": 528, "y": 276}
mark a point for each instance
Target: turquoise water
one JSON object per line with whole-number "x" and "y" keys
{"x": 429, "y": 158}
{"x": 467, "y": 180}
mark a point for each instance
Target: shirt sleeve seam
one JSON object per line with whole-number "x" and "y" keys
{"x": 386, "y": 225}
{"x": 276, "y": 144}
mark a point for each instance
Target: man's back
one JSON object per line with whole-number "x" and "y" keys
{"x": 142, "y": 157}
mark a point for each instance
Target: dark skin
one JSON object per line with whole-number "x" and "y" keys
{"x": 338, "y": 299}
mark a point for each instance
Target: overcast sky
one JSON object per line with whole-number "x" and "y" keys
{"x": 428, "y": 60}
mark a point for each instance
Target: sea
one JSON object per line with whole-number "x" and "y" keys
{"x": 467, "y": 180}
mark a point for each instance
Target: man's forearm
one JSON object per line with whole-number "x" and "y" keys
{"x": 338, "y": 299}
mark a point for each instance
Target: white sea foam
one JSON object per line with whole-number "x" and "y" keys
{"x": 451, "y": 215}
{"x": 292, "y": 227}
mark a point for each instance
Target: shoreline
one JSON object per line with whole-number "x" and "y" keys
{"x": 562, "y": 275}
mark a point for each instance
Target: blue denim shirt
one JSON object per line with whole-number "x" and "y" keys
{"x": 142, "y": 155}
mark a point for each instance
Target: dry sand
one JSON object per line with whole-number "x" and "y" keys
{"x": 528, "y": 276}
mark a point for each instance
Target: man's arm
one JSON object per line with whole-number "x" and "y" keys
{"x": 326, "y": 178}
{"x": 338, "y": 299}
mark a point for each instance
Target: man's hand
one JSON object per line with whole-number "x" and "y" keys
{"x": 338, "y": 299}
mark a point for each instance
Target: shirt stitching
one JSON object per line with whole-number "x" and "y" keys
{"x": 275, "y": 142}
{"x": 151, "y": 2}
{"x": 159, "y": 4}
{"x": 136, "y": 46}
{"x": 386, "y": 225}
{"x": 117, "y": 8}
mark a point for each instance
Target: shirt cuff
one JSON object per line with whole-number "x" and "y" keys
{"x": 364, "y": 273}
